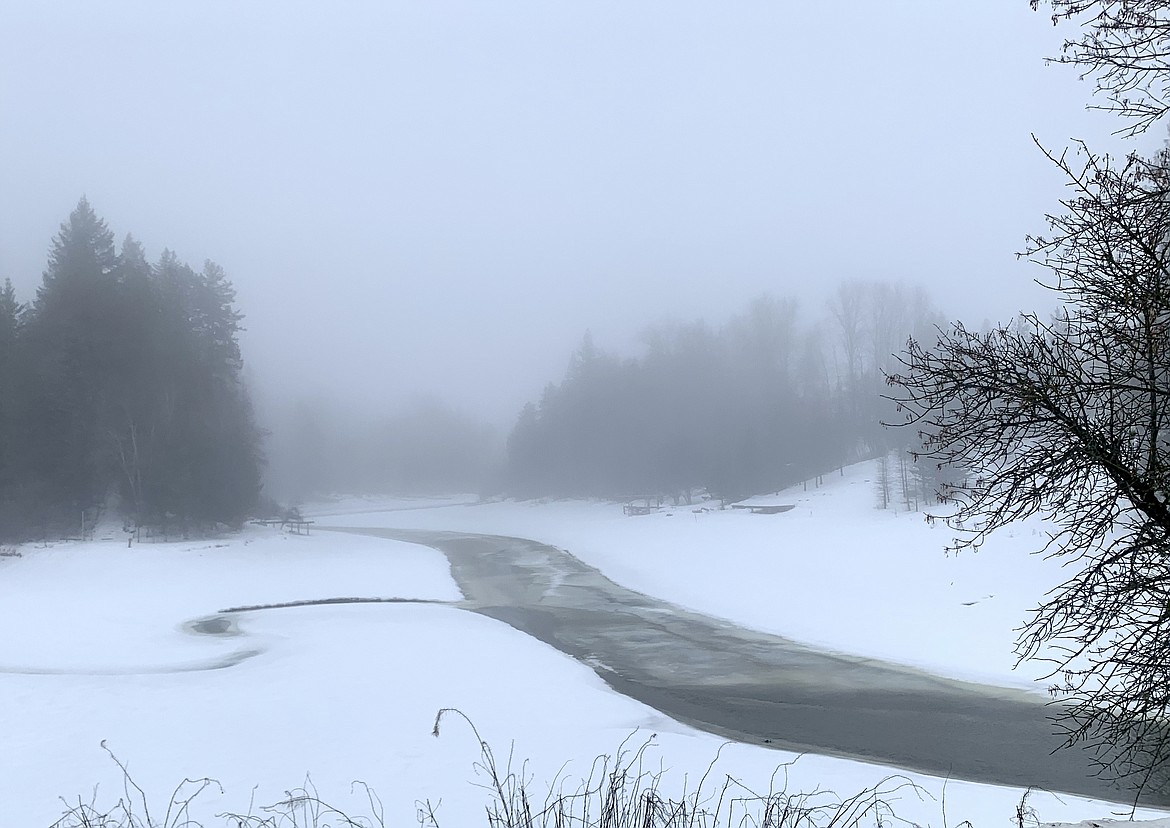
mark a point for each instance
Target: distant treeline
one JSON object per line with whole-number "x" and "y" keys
{"x": 764, "y": 401}
{"x": 120, "y": 384}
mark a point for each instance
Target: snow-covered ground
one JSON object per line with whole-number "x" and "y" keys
{"x": 99, "y": 648}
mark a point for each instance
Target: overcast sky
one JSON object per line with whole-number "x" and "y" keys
{"x": 441, "y": 196}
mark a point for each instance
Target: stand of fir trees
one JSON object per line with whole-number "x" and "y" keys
{"x": 120, "y": 387}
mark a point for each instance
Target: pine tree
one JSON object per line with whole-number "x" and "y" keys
{"x": 71, "y": 329}
{"x": 82, "y": 257}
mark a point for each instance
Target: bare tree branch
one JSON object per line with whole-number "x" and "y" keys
{"x": 1068, "y": 418}
{"x": 1125, "y": 47}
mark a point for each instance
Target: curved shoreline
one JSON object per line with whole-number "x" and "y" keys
{"x": 740, "y": 684}
{"x": 759, "y": 688}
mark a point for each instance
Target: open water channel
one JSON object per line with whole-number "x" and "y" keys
{"x": 759, "y": 688}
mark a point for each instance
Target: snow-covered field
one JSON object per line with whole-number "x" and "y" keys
{"x": 99, "y": 648}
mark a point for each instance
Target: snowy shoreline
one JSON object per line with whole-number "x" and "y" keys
{"x": 807, "y": 574}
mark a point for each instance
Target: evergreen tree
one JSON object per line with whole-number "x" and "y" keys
{"x": 72, "y": 326}
{"x": 81, "y": 259}
{"x": 123, "y": 380}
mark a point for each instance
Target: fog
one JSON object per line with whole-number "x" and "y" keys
{"x": 436, "y": 200}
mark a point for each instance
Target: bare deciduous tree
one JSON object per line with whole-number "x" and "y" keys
{"x": 1125, "y": 47}
{"x": 1069, "y": 418}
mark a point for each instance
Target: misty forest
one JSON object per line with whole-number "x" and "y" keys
{"x": 767, "y": 399}
{"x": 126, "y": 392}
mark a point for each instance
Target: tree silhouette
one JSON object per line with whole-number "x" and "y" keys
{"x": 1069, "y": 418}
